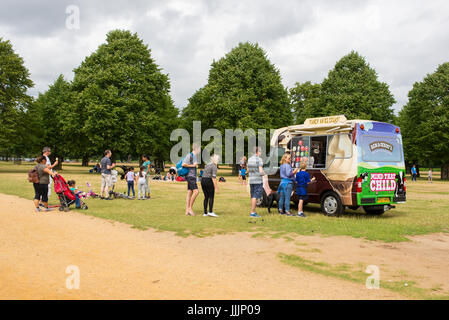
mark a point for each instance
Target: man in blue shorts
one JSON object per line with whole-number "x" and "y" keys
{"x": 256, "y": 173}
{"x": 190, "y": 162}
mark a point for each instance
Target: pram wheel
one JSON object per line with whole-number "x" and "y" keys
{"x": 84, "y": 207}
{"x": 61, "y": 208}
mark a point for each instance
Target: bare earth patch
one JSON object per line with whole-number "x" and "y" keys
{"x": 118, "y": 262}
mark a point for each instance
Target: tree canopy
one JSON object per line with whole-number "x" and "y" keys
{"x": 305, "y": 100}
{"x": 424, "y": 120}
{"x": 244, "y": 90}
{"x": 352, "y": 88}
{"x": 14, "y": 100}
{"x": 49, "y": 122}
{"x": 123, "y": 98}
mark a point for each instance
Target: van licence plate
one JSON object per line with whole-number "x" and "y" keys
{"x": 383, "y": 200}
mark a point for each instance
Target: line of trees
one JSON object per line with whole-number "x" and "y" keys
{"x": 119, "y": 99}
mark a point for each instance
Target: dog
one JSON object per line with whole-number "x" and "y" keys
{"x": 271, "y": 198}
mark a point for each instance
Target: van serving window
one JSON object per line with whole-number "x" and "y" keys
{"x": 318, "y": 152}
{"x": 309, "y": 149}
{"x": 340, "y": 147}
{"x": 300, "y": 150}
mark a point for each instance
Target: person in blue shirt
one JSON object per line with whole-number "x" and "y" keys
{"x": 147, "y": 164}
{"x": 413, "y": 171}
{"x": 302, "y": 180}
{"x": 286, "y": 186}
{"x": 243, "y": 175}
{"x": 73, "y": 188}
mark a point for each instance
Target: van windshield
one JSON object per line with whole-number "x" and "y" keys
{"x": 381, "y": 148}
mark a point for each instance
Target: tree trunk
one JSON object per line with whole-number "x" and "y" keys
{"x": 445, "y": 171}
{"x": 159, "y": 164}
{"x": 85, "y": 161}
{"x": 235, "y": 169}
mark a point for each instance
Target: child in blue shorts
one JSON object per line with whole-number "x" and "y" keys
{"x": 302, "y": 180}
{"x": 243, "y": 175}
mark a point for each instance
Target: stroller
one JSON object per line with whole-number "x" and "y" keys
{"x": 65, "y": 195}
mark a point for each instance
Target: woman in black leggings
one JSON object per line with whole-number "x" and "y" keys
{"x": 209, "y": 185}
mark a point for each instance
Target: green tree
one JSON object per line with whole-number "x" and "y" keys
{"x": 244, "y": 91}
{"x": 14, "y": 83}
{"x": 352, "y": 88}
{"x": 305, "y": 101}
{"x": 424, "y": 120}
{"x": 124, "y": 99}
{"x": 49, "y": 120}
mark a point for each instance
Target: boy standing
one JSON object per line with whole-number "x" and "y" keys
{"x": 256, "y": 173}
{"x": 243, "y": 175}
{"x": 302, "y": 180}
{"x": 413, "y": 171}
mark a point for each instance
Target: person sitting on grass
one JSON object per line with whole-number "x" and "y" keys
{"x": 131, "y": 179}
{"x": 172, "y": 172}
{"x": 302, "y": 180}
{"x": 73, "y": 188}
{"x": 41, "y": 188}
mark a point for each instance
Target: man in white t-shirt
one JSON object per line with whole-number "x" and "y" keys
{"x": 46, "y": 152}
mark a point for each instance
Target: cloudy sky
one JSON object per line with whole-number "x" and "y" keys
{"x": 402, "y": 39}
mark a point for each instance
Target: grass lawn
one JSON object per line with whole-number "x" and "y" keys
{"x": 426, "y": 210}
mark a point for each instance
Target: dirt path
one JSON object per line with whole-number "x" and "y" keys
{"x": 118, "y": 262}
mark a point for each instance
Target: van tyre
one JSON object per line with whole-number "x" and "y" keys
{"x": 331, "y": 204}
{"x": 374, "y": 211}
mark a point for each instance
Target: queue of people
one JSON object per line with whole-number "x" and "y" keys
{"x": 253, "y": 168}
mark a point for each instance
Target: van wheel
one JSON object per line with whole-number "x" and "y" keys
{"x": 374, "y": 212}
{"x": 331, "y": 204}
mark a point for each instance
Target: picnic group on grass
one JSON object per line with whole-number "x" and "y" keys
{"x": 252, "y": 167}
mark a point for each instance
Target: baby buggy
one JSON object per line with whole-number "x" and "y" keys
{"x": 65, "y": 195}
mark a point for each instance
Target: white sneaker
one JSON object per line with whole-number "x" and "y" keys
{"x": 205, "y": 215}
{"x": 212, "y": 214}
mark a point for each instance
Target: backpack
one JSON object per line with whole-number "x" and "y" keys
{"x": 182, "y": 171}
{"x": 33, "y": 176}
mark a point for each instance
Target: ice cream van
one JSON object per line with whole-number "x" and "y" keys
{"x": 356, "y": 163}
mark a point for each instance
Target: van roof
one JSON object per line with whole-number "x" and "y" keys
{"x": 321, "y": 125}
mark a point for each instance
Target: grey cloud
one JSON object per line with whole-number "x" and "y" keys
{"x": 406, "y": 40}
